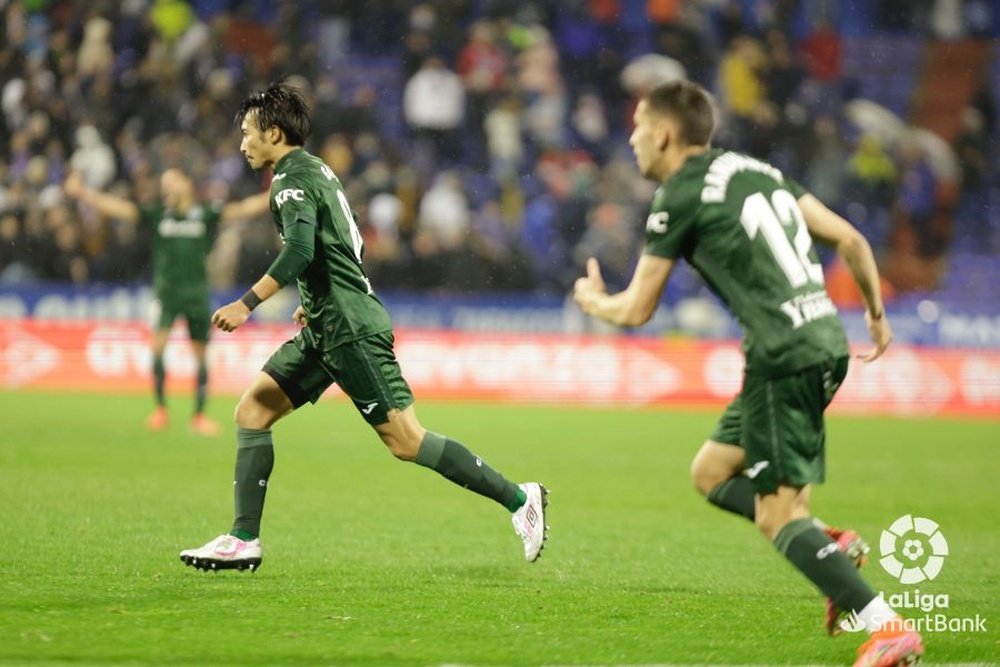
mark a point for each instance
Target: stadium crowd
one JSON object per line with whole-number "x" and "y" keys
{"x": 491, "y": 154}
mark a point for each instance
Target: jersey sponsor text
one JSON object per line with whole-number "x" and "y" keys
{"x": 188, "y": 229}
{"x": 806, "y": 308}
{"x": 289, "y": 193}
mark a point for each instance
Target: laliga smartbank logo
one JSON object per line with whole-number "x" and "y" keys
{"x": 913, "y": 550}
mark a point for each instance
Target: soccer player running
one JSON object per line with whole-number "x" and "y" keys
{"x": 183, "y": 233}
{"x": 748, "y": 231}
{"x": 346, "y": 338}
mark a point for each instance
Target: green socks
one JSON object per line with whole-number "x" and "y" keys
{"x": 815, "y": 555}
{"x": 159, "y": 378}
{"x": 453, "y": 461}
{"x": 734, "y": 495}
{"x": 201, "y": 390}
{"x": 254, "y": 461}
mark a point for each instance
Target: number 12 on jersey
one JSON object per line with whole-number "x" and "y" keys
{"x": 770, "y": 218}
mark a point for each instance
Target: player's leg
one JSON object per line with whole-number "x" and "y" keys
{"x": 368, "y": 372}
{"x": 717, "y": 468}
{"x": 408, "y": 440}
{"x": 158, "y": 419}
{"x": 199, "y": 325}
{"x": 719, "y": 473}
{"x": 784, "y": 437}
{"x": 292, "y": 376}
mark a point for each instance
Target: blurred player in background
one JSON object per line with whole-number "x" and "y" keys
{"x": 748, "y": 231}
{"x": 183, "y": 233}
{"x": 346, "y": 338}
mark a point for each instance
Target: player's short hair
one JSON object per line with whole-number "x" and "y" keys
{"x": 690, "y": 105}
{"x": 281, "y": 106}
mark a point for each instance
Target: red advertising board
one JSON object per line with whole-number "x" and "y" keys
{"x": 503, "y": 367}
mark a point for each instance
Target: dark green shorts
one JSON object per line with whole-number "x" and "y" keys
{"x": 196, "y": 310}
{"x": 779, "y": 424}
{"x": 366, "y": 370}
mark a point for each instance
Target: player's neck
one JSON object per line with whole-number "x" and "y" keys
{"x": 281, "y": 151}
{"x": 675, "y": 158}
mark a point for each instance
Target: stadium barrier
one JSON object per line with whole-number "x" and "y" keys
{"x": 625, "y": 371}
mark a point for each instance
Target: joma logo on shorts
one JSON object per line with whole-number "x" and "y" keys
{"x": 289, "y": 193}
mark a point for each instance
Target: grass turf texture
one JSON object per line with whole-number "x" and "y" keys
{"x": 370, "y": 561}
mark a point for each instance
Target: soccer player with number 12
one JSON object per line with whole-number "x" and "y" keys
{"x": 748, "y": 231}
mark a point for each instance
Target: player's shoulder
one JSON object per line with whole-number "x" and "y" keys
{"x": 680, "y": 192}
{"x": 301, "y": 169}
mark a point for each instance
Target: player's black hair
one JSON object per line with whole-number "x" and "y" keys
{"x": 688, "y": 103}
{"x": 281, "y": 106}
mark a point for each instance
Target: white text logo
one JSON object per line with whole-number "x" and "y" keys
{"x": 657, "y": 222}
{"x": 913, "y": 549}
{"x": 288, "y": 193}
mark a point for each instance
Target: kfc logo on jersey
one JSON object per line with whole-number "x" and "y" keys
{"x": 657, "y": 222}
{"x": 289, "y": 193}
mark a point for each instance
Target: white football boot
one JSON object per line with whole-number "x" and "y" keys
{"x": 225, "y": 553}
{"x": 529, "y": 520}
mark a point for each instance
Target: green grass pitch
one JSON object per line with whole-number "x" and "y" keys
{"x": 373, "y": 562}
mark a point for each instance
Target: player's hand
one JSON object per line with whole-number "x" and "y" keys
{"x": 231, "y": 316}
{"x": 299, "y": 316}
{"x": 73, "y": 185}
{"x": 881, "y": 334}
{"x": 587, "y": 289}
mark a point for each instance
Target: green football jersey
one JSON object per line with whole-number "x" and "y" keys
{"x": 181, "y": 242}
{"x": 335, "y": 292}
{"x": 737, "y": 221}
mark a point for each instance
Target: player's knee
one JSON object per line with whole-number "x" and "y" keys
{"x": 400, "y": 446}
{"x": 701, "y": 477}
{"x": 771, "y": 519}
{"x": 251, "y": 413}
{"x": 707, "y": 474}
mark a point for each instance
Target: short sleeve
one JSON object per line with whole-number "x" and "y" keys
{"x": 669, "y": 228}
{"x": 795, "y": 188}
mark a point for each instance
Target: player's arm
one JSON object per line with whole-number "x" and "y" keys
{"x": 830, "y": 229}
{"x": 633, "y": 306}
{"x": 244, "y": 209}
{"x": 107, "y": 204}
{"x": 299, "y": 233}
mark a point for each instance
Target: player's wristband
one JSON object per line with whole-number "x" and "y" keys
{"x": 879, "y": 316}
{"x": 250, "y": 299}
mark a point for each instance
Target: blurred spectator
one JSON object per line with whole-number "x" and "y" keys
{"x": 783, "y": 75}
{"x": 740, "y": 85}
{"x": 93, "y": 158}
{"x": 612, "y": 240}
{"x": 914, "y": 207}
{"x": 825, "y": 173}
{"x": 947, "y": 21}
{"x": 544, "y": 91}
{"x": 171, "y": 18}
{"x": 14, "y": 251}
{"x": 873, "y": 171}
{"x": 503, "y": 139}
{"x": 972, "y": 151}
{"x": 590, "y": 125}
{"x": 823, "y": 52}
{"x": 434, "y": 107}
{"x": 444, "y": 212}
{"x": 483, "y": 68}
